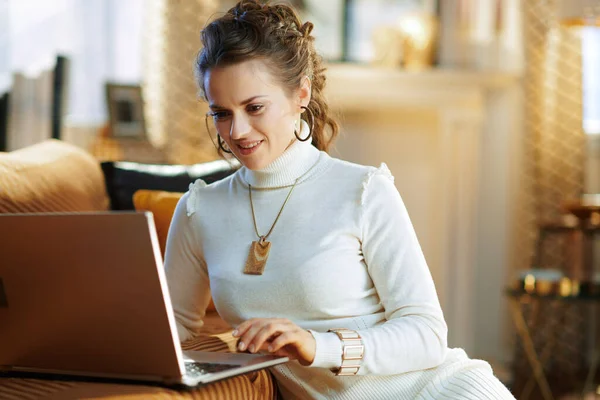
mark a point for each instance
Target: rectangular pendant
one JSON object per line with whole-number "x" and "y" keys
{"x": 257, "y": 258}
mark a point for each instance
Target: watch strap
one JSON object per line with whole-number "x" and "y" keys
{"x": 353, "y": 351}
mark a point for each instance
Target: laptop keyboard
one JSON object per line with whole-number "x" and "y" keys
{"x": 197, "y": 368}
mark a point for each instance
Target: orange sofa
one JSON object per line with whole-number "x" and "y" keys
{"x": 54, "y": 176}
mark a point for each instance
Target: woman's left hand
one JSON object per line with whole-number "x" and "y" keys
{"x": 277, "y": 336}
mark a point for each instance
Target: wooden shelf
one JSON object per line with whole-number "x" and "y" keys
{"x": 355, "y": 86}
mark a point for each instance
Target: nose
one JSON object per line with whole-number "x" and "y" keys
{"x": 240, "y": 127}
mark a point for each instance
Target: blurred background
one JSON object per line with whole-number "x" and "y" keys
{"x": 487, "y": 112}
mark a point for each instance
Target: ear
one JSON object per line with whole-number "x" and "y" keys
{"x": 303, "y": 93}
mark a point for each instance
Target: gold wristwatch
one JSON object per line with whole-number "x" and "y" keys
{"x": 352, "y": 351}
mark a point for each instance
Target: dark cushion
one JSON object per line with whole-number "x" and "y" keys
{"x": 4, "y": 100}
{"x": 124, "y": 178}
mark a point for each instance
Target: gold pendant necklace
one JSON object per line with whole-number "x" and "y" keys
{"x": 259, "y": 250}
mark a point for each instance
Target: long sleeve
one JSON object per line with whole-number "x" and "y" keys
{"x": 414, "y": 337}
{"x": 186, "y": 272}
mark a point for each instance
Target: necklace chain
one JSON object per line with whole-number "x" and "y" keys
{"x": 263, "y": 238}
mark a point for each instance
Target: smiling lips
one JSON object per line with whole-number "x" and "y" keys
{"x": 249, "y": 147}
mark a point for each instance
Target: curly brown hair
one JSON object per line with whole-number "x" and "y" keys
{"x": 273, "y": 33}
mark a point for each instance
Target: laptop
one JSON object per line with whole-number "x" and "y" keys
{"x": 85, "y": 294}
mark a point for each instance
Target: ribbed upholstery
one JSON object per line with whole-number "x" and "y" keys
{"x": 51, "y": 176}
{"x": 255, "y": 386}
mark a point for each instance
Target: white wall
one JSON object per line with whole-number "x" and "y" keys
{"x": 406, "y": 149}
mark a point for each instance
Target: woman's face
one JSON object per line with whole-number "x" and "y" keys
{"x": 252, "y": 112}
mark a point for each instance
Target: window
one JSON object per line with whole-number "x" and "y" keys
{"x": 101, "y": 38}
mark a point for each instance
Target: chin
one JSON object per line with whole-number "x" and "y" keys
{"x": 253, "y": 164}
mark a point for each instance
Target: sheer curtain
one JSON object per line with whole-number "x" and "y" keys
{"x": 591, "y": 80}
{"x": 102, "y": 40}
{"x": 590, "y": 40}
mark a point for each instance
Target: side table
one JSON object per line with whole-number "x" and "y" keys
{"x": 112, "y": 149}
{"x": 537, "y": 359}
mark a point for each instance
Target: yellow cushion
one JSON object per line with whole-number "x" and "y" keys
{"x": 162, "y": 205}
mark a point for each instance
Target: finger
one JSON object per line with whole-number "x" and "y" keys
{"x": 252, "y": 330}
{"x": 256, "y": 325}
{"x": 286, "y": 338}
{"x": 244, "y": 326}
{"x": 244, "y": 331}
{"x": 267, "y": 333}
{"x": 267, "y": 342}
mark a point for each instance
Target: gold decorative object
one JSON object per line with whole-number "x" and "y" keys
{"x": 387, "y": 47}
{"x": 566, "y": 286}
{"x": 529, "y": 283}
{"x": 419, "y": 40}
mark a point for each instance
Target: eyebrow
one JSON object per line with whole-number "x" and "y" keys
{"x": 243, "y": 103}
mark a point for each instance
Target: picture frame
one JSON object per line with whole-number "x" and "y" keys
{"x": 125, "y": 106}
{"x": 362, "y": 17}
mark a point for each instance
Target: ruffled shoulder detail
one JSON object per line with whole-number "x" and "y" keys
{"x": 193, "y": 196}
{"x": 382, "y": 170}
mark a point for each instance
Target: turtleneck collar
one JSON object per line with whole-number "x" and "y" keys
{"x": 296, "y": 161}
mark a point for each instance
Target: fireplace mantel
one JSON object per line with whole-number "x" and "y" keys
{"x": 358, "y": 87}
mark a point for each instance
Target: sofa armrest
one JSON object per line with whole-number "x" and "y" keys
{"x": 51, "y": 176}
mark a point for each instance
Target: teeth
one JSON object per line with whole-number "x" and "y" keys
{"x": 251, "y": 145}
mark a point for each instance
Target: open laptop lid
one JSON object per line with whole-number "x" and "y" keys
{"x": 48, "y": 323}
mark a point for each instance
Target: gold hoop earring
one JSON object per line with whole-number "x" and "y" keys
{"x": 218, "y": 146}
{"x": 221, "y": 141}
{"x": 312, "y": 125}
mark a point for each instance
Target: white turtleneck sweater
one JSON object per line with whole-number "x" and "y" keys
{"x": 343, "y": 254}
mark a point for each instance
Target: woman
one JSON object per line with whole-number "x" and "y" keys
{"x": 306, "y": 256}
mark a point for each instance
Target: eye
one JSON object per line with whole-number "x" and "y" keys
{"x": 254, "y": 108}
{"x": 220, "y": 115}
